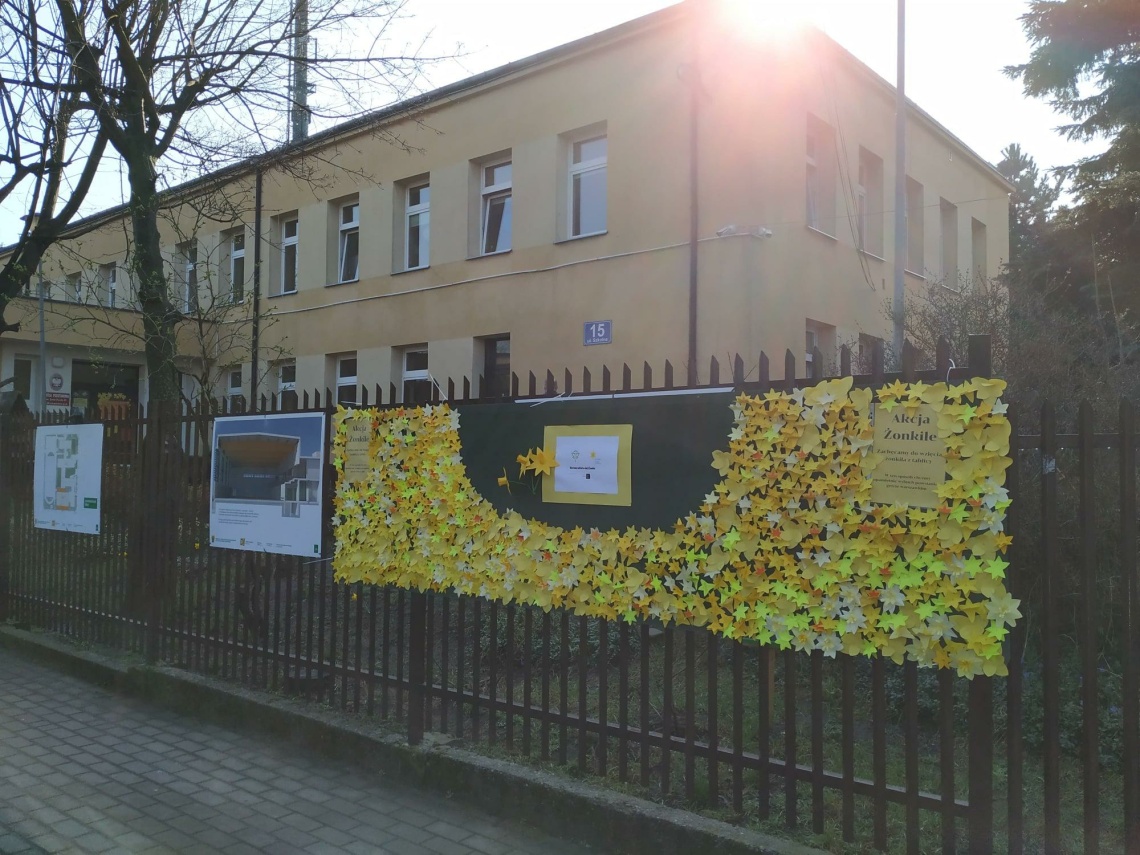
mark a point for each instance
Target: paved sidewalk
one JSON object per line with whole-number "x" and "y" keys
{"x": 86, "y": 770}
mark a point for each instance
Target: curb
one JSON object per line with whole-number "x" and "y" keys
{"x": 566, "y": 809}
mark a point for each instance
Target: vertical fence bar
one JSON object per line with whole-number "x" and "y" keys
{"x": 690, "y": 716}
{"x": 547, "y": 630}
{"x": 623, "y": 701}
{"x": 1090, "y": 745}
{"x": 738, "y": 722}
{"x": 817, "y": 739}
{"x": 791, "y": 816}
{"x": 847, "y": 727}
{"x": 1015, "y": 776}
{"x": 879, "y": 751}
{"x": 563, "y": 688}
{"x": 1050, "y": 641}
{"x": 713, "y": 662}
{"x": 416, "y": 657}
{"x": 946, "y": 757}
{"x": 981, "y": 765}
{"x": 583, "y": 690}
{"x": 1131, "y": 633}
{"x": 763, "y": 727}
{"x": 667, "y": 711}
{"x": 643, "y": 701}
{"x": 602, "y": 755}
{"x": 911, "y": 749}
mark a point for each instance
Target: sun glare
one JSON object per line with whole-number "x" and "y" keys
{"x": 767, "y": 20}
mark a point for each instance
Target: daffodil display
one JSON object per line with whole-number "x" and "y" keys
{"x": 786, "y": 549}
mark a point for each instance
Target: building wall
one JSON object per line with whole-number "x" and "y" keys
{"x": 634, "y": 85}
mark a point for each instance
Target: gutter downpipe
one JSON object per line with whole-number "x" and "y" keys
{"x": 255, "y": 337}
{"x": 694, "y": 187}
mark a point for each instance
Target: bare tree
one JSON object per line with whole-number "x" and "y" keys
{"x": 176, "y": 89}
{"x": 52, "y": 145}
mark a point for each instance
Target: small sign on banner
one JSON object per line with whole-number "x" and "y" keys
{"x": 59, "y": 399}
{"x": 597, "y": 332}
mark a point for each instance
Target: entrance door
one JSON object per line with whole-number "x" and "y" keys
{"x": 90, "y": 380}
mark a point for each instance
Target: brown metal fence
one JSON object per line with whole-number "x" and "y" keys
{"x": 858, "y": 750}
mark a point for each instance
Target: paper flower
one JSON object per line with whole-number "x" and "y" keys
{"x": 787, "y": 548}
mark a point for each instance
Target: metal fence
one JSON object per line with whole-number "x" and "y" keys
{"x": 858, "y": 750}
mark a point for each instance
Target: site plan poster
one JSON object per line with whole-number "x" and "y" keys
{"x": 67, "y": 492}
{"x": 266, "y": 483}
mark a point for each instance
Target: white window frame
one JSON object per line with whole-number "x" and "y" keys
{"x": 811, "y": 180}
{"x": 237, "y": 253}
{"x": 596, "y": 164}
{"x": 235, "y": 394}
{"x": 415, "y": 374}
{"x": 188, "y": 254}
{"x": 344, "y": 230}
{"x": 284, "y": 385}
{"x": 108, "y": 278}
{"x": 290, "y": 242}
{"x": 347, "y": 380}
{"x": 73, "y": 287}
{"x": 424, "y": 211}
{"x": 811, "y": 344}
{"x": 861, "y": 220}
{"x": 491, "y": 193}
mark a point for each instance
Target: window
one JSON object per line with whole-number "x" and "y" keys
{"x": 111, "y": 285}
{"x": 915, "y": 228}
{"x": 949, "y": 243}
{"x": 289, "y": 232}
{"x": 188, "y": 263}
{"x": 22, "y": 374}
{"x": 417, "y": 226}
{"x": 417, "y": 380}
{"x": 588, "y": 160}
{"x": 869, "y": 203}
{"x": 820, "y": 176}
{"x": 346, "y": 379}
{"x": 74, "y": 288}
{"x": 979, "y": 249}
{"x": 287, "y": 385}
{"x": 497, "y": 367}
{"x": 348, "y": 269}
{"x": 817, "y": 336}
{"x": 496, "y": 207}
{"x": 866, "y": 355}
{"x": 237, "y": 266}
{"x": 233, "y": 389}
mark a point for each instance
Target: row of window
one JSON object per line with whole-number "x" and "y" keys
{"x": 821, "y": 159}
{"x": 415, "y": 382}
{"x": 586, "y": 191}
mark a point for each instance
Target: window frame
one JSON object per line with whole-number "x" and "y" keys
{"x": 237, "y": 284}
{"x": 862, "y": 221}
{"x": 415, "y": 375}
{"x": 235, "y": 394}
{"x": 490, "y": 193}
{"x": 188, "y": 257}
{"x": 286, "y": 387}
{"x": 344, "y": 232}
{"x": 347, "y": 381}
{"x": 290, "y": 242}
{"x": 422, "y": 210}
{"x": 578, "y": 169}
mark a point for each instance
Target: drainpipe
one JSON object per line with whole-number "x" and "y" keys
{"x": 694, "y": 186}
{"x": 255, "y": 337}
{"x": 898, "y": 309}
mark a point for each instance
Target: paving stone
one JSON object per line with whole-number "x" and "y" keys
{"x": 84, "y": 770}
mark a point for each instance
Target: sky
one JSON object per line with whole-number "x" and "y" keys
{"x": 956, "y": 50}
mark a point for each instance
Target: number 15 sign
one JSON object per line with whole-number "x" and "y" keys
{"x": 597, "y": 332}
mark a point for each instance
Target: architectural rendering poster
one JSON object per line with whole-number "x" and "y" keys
{"x": 265, "y": 483}
{"x": 68, "y": 485}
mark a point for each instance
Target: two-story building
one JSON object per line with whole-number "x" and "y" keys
{"x": 669, "y": 189}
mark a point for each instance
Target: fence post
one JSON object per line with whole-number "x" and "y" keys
{"x": 981, "y": 693}
{"x": 6, "y": 428}
{"x": 417, "y": 653}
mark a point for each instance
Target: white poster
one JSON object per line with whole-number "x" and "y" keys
{"x": 266, "y": 483}
{"x": 586, "y": 464}
{"x": 67, "y": 492}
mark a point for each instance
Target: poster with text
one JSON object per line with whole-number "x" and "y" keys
{"x": 266, "y": 483}
{"x": 592, "y": 464}
{"x": 67, "y": 492}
